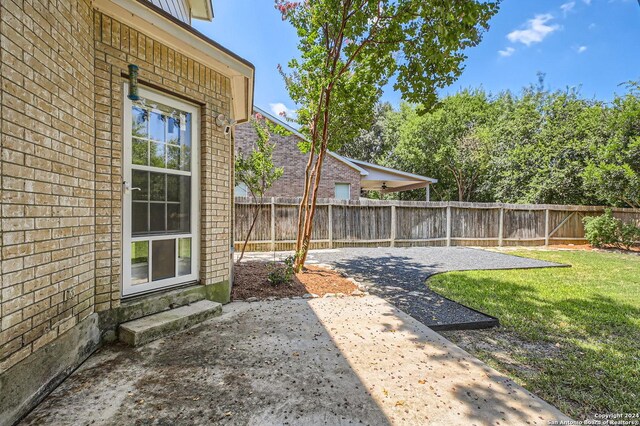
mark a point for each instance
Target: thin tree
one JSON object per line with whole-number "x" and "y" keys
{"x": 350, "y": 49}
{"x": 257, "y": 170}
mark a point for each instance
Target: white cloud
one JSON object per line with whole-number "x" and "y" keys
{"x": 535, "y": 31}
{"x": 581, "y": 49}
{"x": 506, "y": 52}
{"x": 587, "y": 2}
{"x": 567, "y": 7}
{"x": 592, "y": 26}
{"x": 280, "y": 110}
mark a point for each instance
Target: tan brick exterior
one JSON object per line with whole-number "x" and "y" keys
{"x": 288, "y": 156}
{"x": 48, "y": 173}
{"x": 61, "y": 134}
{"x": 116, "y": 46}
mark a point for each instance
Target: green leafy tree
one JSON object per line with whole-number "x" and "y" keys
{"x": 543, "y": 142}
{"x": 613, "y": 172}
{"x": 374, "y": 143}
{"x": 256, "y": 168}
{"x": 350, "y": 49}
{"x": 452, "y": 142}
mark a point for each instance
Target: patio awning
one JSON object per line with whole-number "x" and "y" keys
{"x": 385, "y": 179}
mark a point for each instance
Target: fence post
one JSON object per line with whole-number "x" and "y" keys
{"x": 330, "y": 213}
{"x": 393, "y": 226}
{"x": 273, "y": 224}
{"x": 448, "y": 226}
{"x": 501, "y": 228}
{"x": 546, "y": 227}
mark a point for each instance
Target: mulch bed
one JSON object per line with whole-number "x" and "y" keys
{"x": 250, "y": 281}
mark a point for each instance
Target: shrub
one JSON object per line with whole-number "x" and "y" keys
{"x": 281, "y": 274}
{"x": 629, "y": 235}
{"x": 601, "y": 230}
{"x": 606, "y": 230}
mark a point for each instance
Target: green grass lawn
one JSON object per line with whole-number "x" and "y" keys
{"x": 570, "y": 335}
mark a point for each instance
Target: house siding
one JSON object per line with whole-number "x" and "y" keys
{"x": 61, "y": 100}
{"x": 288, "y": 156}
{"x": 180, "y": 9}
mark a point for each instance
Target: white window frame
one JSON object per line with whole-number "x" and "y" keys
{"x": 128, "y": 288}
{"x": 335, "y": 190}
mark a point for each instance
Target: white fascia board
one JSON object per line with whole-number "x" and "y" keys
{"x": 201, "y": 9}
{"x": 149, "y": 20}
{"x": 394, "y": 171}
{"x": 348, "y": 162}
{"x": 278, "y": 121}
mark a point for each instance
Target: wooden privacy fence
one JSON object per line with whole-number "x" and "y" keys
{"x": 374, "y": 223}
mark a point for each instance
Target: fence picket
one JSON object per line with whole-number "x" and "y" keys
{"x": 372, "y": 223}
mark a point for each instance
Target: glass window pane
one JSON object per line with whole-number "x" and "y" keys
{"x": 173, "y": 187}
{"x": 186, "y": 157}
{"x": 139, "y": 217}
{"x": 157, "y": 187}
{"x": 343, "y": 191}
{"x": 140, "y": 262}
{"x": 185, "y": 141}
{"x": 173, "y": 157}
{"x": 156, "y": 126}
{"x": 185, "y": 203}
{"x": 173, "y": 217}
{"x": 140, "y": 180}
{"x": 157, "y": 154}
{"x": 164, "y": 259}
{"x": 157, "y": 217}
{"x": 139, "y": 122}
{"x": 184, "y": 256}
{"x": 173, "y": 130}
{"x": 140, "y": 152}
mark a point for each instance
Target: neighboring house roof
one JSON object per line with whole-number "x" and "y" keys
{"x": 153, "y": 20}
{"x": 373, "y": 176}
{"x": 386, "y": 179}
{"x": 291, "y": 129}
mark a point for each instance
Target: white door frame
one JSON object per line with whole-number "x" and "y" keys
{"x": 128, "y": 288}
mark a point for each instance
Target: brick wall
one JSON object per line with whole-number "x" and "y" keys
{"x": 116, "y": 46}
{"x": 61, "y": 133}
{"x": 48, "y": 180}
{"x": 288, "y": 156}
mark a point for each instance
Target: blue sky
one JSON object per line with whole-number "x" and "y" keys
{"x": 594, "y": 44}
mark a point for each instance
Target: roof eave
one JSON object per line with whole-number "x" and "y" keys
{"x": 167, "y": 29}
{"x": 394, "y": 171}
{"x": 204, "y": 5}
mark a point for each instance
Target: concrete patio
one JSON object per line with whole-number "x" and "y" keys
{"x": 294, "y": 361}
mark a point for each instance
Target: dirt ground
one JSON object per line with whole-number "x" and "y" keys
{"x": 250, "y": 280}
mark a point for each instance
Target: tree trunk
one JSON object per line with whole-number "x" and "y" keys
{"x": 305, "y": 229}
{"x": 253, "y": 224}
{"x": 308, "y": 228}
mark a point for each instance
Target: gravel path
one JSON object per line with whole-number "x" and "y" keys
{"x": 398, "y": 275}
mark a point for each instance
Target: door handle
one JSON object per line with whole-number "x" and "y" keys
{"x": 128, "y": 188}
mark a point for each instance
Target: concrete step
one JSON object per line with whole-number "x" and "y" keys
{"x": 147, "y": 329}
{"x": 148, "y": 304}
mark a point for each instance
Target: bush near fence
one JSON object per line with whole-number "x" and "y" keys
{"x": 376, "y": 223}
